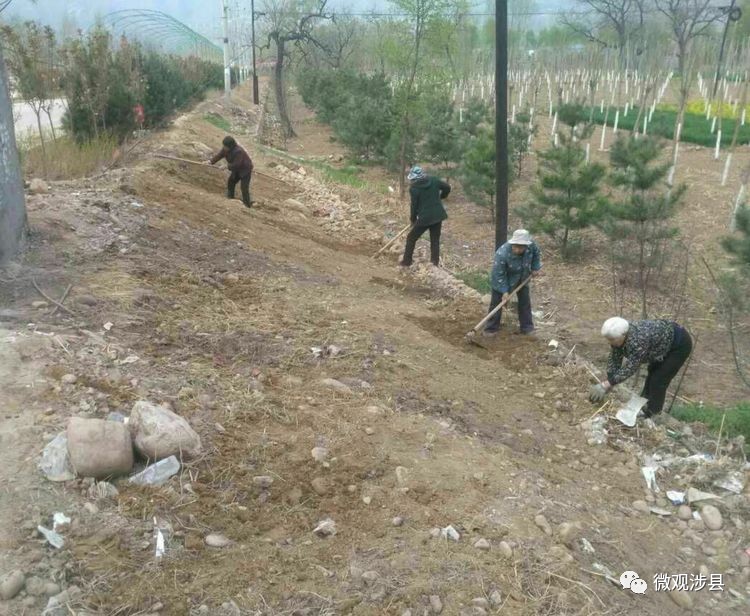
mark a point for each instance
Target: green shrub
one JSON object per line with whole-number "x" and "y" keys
{"x": 737, "y": 420}
{"x": 218, "y": 121}
{"x": 478, "y": 280}
{"x": 696, "y": 129}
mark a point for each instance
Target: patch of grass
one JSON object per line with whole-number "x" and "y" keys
{"x": 696, "y": 128}
{"x": 66, "y": 158}
{"x": 737, "y": 420}
{"x": 478, "y": 280}
{"x": 218, "y": 121}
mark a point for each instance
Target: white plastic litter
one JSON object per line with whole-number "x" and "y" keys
{"x": 587, "y": 547}
{"x": 649, "y": 474}
{"x": 59, "y": 520}
{"x": 161, "y": 547}
{"x": 676, "y": 498}
{"x": 55, "y": 462}
{"x": 53, "y": 538}
{"x": 628, "y": 414}
{"x": 732, "y": 482}
{"x": 325, "y": 528}
{"x": 450, "y": 533}
{"x": 553, "y": 343}
{"x": 158, "y": 473}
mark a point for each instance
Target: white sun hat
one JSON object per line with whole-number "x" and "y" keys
{"x": 521, "y": 237}
{"x": 615, "y": 328}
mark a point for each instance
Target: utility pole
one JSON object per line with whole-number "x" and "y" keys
{"x": 733, "y": 14}
{"x": 227, "y": 69}
{"x": 501, "y": 122}
{"x": 256, "y": 99}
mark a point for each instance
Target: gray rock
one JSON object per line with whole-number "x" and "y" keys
{"x": 685, "y": 513}
{"x": 320, "y": 486}
{"x": 482, "y": 544}
{"x": 59, "y": 604}
{"x": 436, "y": 604}
{"x": 336, "y": 386}
{"x": 216, "y": 540}
{"x": 496, "y": 598}
{"x": 370, "y": 577}
{"x": 11, "y": 584}
{"x": 159, "y": 433}
{"x": 36, "y": 587}
{"x": 263, "y": 481}
{"x": 38, "y": 186}
{"x": 505, "y": 550}
{"x": 681, "y": 598}
{"x": 711, "y": 517}
{"x": 319, "y": 454}
{"x": 55, "y": 462}
{"x": 397, "y": 521}
{"x": 641, "y": 506}
{"x": 99, "y": 448}
{"x": 543, "y": 524}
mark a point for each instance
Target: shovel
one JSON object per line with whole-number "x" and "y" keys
{"x": 471, "y": 336}
{"x": 393, "y": 239}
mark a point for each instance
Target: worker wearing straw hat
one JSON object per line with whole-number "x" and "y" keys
{"x": 664, "y": 345}
{"x": 515, "y": 261}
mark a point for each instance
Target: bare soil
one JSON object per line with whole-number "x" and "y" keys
{"x": 181, "y": 296}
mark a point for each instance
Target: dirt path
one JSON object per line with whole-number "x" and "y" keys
{"x": 183, "y": 297}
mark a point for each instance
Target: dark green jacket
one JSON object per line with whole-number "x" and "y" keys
{"x": 426, "y": 205}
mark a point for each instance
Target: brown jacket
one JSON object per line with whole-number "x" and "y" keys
{"x": 238, "y": 161}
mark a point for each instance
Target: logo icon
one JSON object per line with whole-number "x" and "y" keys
{"x": 632, "y": 581}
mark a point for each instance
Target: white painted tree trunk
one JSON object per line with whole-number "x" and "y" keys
{"x": 13, "y": 222}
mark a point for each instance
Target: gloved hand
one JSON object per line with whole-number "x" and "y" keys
{"x": 597, "y": 393}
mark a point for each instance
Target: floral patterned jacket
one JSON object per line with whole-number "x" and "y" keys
{"x": 646, "y": 341}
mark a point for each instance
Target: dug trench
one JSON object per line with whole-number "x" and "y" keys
{"x": 214, "y": 310}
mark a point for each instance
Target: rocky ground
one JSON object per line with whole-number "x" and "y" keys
{"x": 341, "y": 448}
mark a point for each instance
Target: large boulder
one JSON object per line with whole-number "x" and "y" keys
{"x": 99, "y": 448}
{"x": 159, "y": 433}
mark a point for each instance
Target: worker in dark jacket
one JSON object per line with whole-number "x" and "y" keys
{"x": 664, "y": 345}
{"x": 427, "y": 213}
{"x": 514, "y": 262}
{"x": 240, "y": 167}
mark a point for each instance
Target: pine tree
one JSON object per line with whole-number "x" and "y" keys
{"x": 441, "y": 141}
{"x": 477, "y": 170}
{"x": 639, "y": 222}
{"x": 567, "y": 196}
{"x": 738, "y": 246}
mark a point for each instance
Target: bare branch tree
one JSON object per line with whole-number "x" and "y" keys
{"x": 292, "y": 21}
{"x": 622, "y": 18}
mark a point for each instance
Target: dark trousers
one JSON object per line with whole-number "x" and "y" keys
{"x": 244, "y": 182}
{"x": 524, "y": 311}
{"x": 661, "y": 373}
{"x": 415, "y": 234}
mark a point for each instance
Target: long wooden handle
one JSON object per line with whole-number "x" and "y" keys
{"x": 393, "y": 239}
{"x": 197, "y": 162}
{"x": 499, "y": 307}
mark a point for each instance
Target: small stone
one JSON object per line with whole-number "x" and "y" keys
{"x": 401, "y": 474}
{"x": 367, "y": 500}
{"x": 51, "y": 589}
{"x": 711, "y": 517}
{"x": 325, "y": 528}
{"x": 69, "y": 379}
{"x": 319, "y": 454}
{"x": 37, "y": 186}
{"x": 436, "y": 604}
{"x": 351, "y": 488}
{"x": 681, "y": 598}
{"x": 482, "y": 544}
{"x": 708, "y": 550}
{"x": 336, "y": 386}
{"x": 319, "y": 486}
{"x": 543, "y": 524}
{"x": 481, "y": 602}
{"x": 369, "y": 431}
{"x": 39, "y": 304}
{"x": 91, "y": 508}
{"x": 641, "y": 506}
{"x": 11, "y": 584}
{"x": 685, "y": 513}
{"x": 217, "y": 541}
{"x": 539, "y": 395}
{"x": 397, "y": 521}
{"x": 263, "y": 481}
{"x": 370, "y": 577}
{"x": 505, "y": 550}
{"x": 496, "y": 599}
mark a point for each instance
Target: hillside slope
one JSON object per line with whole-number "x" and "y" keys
{"x": 182, "y": 297}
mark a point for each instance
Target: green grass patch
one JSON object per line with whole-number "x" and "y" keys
{"x": 737, "y": 420}
{"x": 478, "y": 280}
{"x": 218, "y": 121}
{"x": 695, "y": 130}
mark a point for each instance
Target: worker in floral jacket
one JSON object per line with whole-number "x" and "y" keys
{"x": 663, "y": 345}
